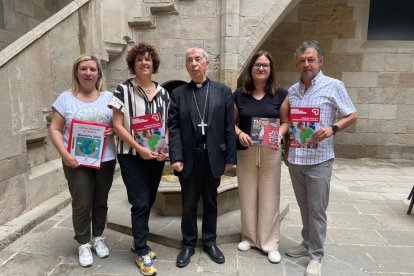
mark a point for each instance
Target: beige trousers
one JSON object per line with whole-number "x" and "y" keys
{"x": 258, "y": 176}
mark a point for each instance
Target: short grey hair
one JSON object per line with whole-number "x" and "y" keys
{"x": 309, "y": 44}
{"x": 205, "y": 55}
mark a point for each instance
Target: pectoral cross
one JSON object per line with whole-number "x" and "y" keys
{"x": 202, "y": 125}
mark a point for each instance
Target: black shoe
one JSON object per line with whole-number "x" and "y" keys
{"x": 183, "y": 258}
{"x": 214, "y": 253}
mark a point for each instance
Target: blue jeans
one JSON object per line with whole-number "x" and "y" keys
{"x": 141, "y": 178}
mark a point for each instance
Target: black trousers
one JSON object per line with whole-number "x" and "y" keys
{"x": 141, "y": 178}
{"x": 202, "y": 183}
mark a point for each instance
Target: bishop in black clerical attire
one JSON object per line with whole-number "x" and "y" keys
{"x": 202, "y": 146}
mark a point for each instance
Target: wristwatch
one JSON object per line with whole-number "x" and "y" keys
{"x": 335, "y": 129}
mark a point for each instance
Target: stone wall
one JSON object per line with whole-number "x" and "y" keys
{"x": 229, "y": 31}
{"x": 191, "y": 24}
{"x": 1, "y": 15}
{"x": 33, "y": 71}
{"x": 379, "y": 75}
{"x": 20, "y": 16}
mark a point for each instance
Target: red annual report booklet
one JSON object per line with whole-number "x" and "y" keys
{"x": 265, "y": 131}
{"x": 303, "y": 121}
{"x": 149, "y": 133}
{"x": 87, "y": 142}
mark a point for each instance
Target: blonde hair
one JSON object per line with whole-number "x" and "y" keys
{"x": 75, "y": 81}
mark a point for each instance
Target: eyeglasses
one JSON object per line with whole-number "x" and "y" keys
{"x": 265, "y": 66}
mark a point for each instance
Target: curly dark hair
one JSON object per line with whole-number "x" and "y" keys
{"x": 271, "y": 84}
{"x": 139, "y": 50}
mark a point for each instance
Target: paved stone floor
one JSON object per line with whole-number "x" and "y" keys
{"x": 369, "y": 233}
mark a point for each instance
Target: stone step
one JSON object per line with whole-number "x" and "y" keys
{"x": 168, "y": 201}
{"x": 164, "y": 8}
{"x": 166, "y": 230}
{"x": 142, "y": 22}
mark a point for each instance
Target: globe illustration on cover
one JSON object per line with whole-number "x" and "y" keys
{"x": 87, "y": 147}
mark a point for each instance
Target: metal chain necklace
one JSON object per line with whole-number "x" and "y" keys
{"x": 202, "y": 124}
{"x": 141, "y": 88}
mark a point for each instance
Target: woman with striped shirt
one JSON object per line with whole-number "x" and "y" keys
{"x": 141, "y": 166}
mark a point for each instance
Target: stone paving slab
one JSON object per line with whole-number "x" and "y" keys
{"x": 17, "y": 227}
{"x": 366, "y": 236}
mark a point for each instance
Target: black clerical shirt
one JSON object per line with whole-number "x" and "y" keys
{"x": 200, "y": 96}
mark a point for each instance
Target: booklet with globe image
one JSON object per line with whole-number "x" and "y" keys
{"x": 86, "y": 142}
{"x": 149, "y": 133}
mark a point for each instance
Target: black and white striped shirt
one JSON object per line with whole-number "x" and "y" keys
{"x": 132, "y": 101}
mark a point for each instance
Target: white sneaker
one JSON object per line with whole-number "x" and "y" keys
{"x": 99, "y": 246}
{"x": 297, "y": 251}
{"x": 85, "y": 255}
{"x": 243, "y": 246}
{"x": 274, "y": 257}
{"x": 313, "y": 268}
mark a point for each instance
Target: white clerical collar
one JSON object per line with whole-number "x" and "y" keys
{"x": 200, "y": 85}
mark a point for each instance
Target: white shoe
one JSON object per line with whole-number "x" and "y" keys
{"x": 243, "y": 246}
{"x": 274, "y": 257}
{"x": 297, "y": 251}
{"x": 313, "y": 268}
{"x": 99, "y": 246}
{"x": 85, "y": 255}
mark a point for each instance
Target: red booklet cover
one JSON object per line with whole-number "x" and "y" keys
{"x": 303, "y": 121}
{"x": 87, "y": 142}
{"x": 146, "y": 122}
{"x": 149, "y": 133}
{"x": 265, "y": 131}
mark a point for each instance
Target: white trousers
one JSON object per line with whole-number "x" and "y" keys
{"x": 258, "y": 176}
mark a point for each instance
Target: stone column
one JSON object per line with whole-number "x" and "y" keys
{"x": 229, "y": 42}
{"x": 90, "y": 30}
